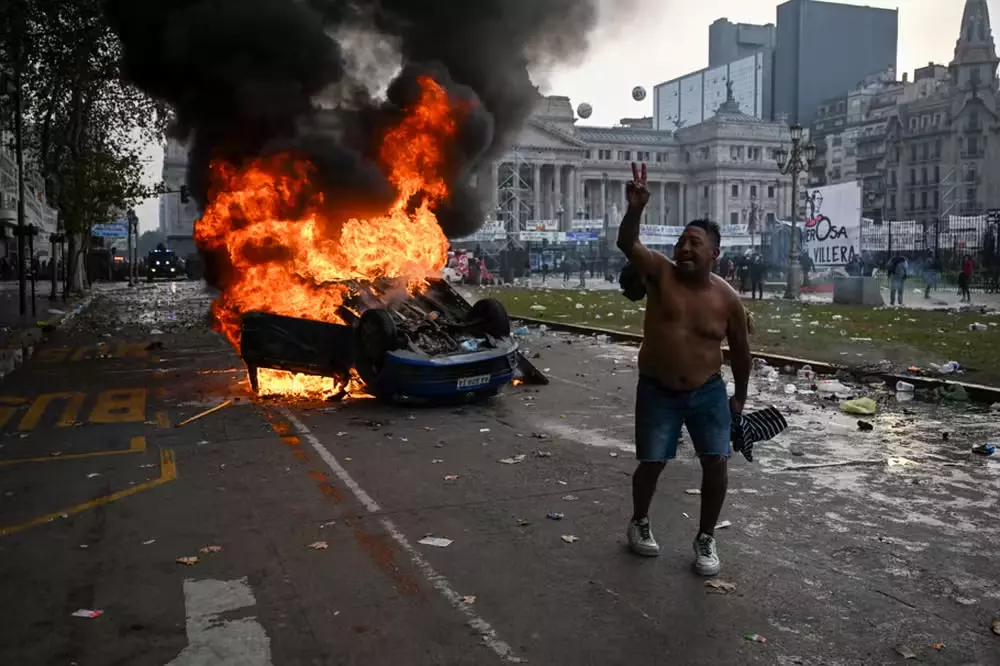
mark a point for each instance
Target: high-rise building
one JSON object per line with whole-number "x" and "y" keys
{"x": 177, "y": 217}
{"x": 824, "y": 48}
{"x": 695, "y": 98}
{"x": 728, "y": 42}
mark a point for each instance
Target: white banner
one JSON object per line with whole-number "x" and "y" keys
{"x": 833, "y": 224}
{"x": 588, "y": 225}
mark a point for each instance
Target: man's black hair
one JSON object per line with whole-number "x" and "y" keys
{"x": 709, "y": 227}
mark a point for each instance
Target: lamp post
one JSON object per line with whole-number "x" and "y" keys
{"x": 793, "y": 162}
{"x": 750, "y": 215}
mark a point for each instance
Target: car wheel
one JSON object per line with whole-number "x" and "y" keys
{"x": 492, "y": 316}
{"x": 375, "y": 335}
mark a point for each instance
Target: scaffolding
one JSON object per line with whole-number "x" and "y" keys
{"x": 515, "y": 193}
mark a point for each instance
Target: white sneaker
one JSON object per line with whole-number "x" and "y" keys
{"x": 706, "y": 558}
{"x": 640, "y": 539}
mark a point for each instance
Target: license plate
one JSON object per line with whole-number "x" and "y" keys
{"x": 472, "y": 382}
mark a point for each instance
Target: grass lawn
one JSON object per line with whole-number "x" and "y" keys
{"x": 835, "y": 334}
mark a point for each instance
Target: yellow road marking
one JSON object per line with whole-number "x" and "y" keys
{"x": 74, "y": 403}
{"x": 136, "y": 445}
{"x": 168, "y": 472}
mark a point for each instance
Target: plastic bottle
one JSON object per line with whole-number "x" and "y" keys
{"x": 905, "y": 387}
{"x": 977, "y": 327}
{"x": 806, "y": 372}
{"x": 949, "y": 367}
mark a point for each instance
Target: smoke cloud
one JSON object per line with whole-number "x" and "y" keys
{"x": 243, "y": 78}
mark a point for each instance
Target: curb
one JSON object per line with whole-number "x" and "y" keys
{"x": 976, "y": 392}
{"x": 23, "y": 344}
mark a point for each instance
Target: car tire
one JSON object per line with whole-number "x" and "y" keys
{"x": 375, "y": 336}
{"x": 493, "y": 317}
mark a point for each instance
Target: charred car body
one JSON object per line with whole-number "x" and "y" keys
{"x": 431, "y": 344}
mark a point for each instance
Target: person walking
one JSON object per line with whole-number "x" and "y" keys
{"x": 897, "y": 279}
{"x": 965, "y": 279}
{"x": 757, "y": 277}
{"x": 932, "y": 272}
{"x": 691, "y": 309}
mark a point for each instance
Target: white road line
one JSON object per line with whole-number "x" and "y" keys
{"x": 213, "y": 641}
{"x": 584, "y": 436}
{"x": 436, "y": 580}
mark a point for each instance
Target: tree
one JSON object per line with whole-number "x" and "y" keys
{"x": 85, "y": 127}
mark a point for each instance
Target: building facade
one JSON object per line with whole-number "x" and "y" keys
{"x": 823, "y": 49}
{"x": 943, "y": 154}
{"x": 694, "y": 98}
{"x": 177, "y": 217}
{"x": 558, "y": 174}
{"x": 729, "y": 42}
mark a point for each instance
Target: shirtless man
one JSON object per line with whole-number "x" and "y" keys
{"x": 689, "y": 312}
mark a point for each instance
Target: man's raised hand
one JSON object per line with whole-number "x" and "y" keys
{"x": 636, "y": 192}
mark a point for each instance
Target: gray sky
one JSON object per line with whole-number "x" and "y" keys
{"x": 669, "y": 38}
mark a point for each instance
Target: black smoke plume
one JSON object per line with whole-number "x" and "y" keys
{"x": 242, "y": 77}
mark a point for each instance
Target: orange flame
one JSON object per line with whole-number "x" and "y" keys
{"x": 295, "y": 267}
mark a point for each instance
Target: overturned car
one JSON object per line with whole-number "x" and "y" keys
{"x": 430, "y": 344}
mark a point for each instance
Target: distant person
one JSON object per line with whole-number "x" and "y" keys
{"x": 932, "y": 272}
{"x": 807, "y": 265}
{"x": 567, "y": 270}
{"x": 757, "y": 271}
{"x": 545, "y": 272}
{"x": 897, "y": 279}
{"x": 965, "y": 279}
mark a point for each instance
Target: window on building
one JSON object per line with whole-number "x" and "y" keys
{"x": 893, "y": 176}
{"x": 937, "y": 175}
{"x": 937, "y": 149}
{"x": 736, "y": 190}
{"x": 913, "y": 200}
{"x": 705, "y": 192}
{"x": 753, "y": 190}
{"x": 970, "y": 197}
{"x": 913, "y": 176}
{"x": 770, "y": 191}
{"x": 923, "y": 200}
{"x": 925, "y": 151}
{"x": 642, "y": 156}
{"x": 937, "y": 200}
{"x": 892, "y": 202}
{"x": 734, "y": 218}
{"x": 923, "y": 175}
{"x": 837, "y": 141}
{"x": 703, "y": 153}
{"x": 973, "y": 146}
{"x": 625, "y": 155}
{"x": 770, "y": 219}
{"x": 736, "y": 152}
{"x": 913, "y": 152}
{"x": 974, "y": 77}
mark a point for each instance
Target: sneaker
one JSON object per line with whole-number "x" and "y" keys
{"x": 640, "y": 539}
{"x": 706, "y": 559}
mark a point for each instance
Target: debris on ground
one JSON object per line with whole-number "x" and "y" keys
{"x": 149, "y": 542}
{"x": 865, "y": 426}
{"x": 204, "y": 413}
{"x": 723, "y": 525}
{"x": 951, "y": 393}
{"x": 937, "y": 646}
{"x": 515, "y": 460}
{"x": 211, "y": 549}
{"x": 984, "y": 449}
{"x": 859, "y": 407}
{"x": 318, "y": 545}
{"x": 543, "y": 454}
{"x": 437, "y": 461}
{"x": 905, "y": 652}
{"x": 88, "y": 613}
{"x": 613, "y": 454}
{"x": 996, "y": 626}
{"x": 451, "y": 477}
{"x": 692, "y": 491}
{"x": 469, "y": 599}
{"x": 754, "y": 638}
{"x": 437, "y": 542}
{"x": 842, "y": 463}
{"x": 719, "y": 586}
{"x": 569, "y": 538}
{"x": 570, "y": 498}
{"x": 187, "y": 561}
{"x": 555, "y": 515}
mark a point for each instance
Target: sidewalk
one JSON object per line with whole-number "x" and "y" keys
{"x": 19, "y": 334}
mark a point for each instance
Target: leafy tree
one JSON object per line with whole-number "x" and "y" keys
{"x": 84, "y": 126}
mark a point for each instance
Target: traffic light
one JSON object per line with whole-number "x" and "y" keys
{"x": 185, "y": 194}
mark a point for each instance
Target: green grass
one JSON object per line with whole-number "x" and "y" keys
{"x": 822, "y": 332}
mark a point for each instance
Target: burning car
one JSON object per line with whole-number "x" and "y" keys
{"x": 426, "y": 343}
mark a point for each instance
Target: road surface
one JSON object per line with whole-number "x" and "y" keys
{"x": 101, "y": 493}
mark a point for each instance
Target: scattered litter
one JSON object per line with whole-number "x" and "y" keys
{"x": 204, "y": 413}
{"x": 92, "y": 475}
{"x": 686, "y": 516}
{"x": 187, "y": 561}
{"x": 555, "y": 516}
{"x": 469, "y": 599}
{"x": 905, "y": 387}
{"x": 341, "y": 434}
{"x": 859, "y": 407}
{"x": 613, "y": 454}
{"x": 538, "y": 308}
{"x": 451, "y": 477}
{"x": 754, "y": 638}
{"x": 569, "y": 538}
{"x": 905, "y": 652}
{"x": 843, "y": 463}
{"x": 692, "y": 491}
{"x": 978, "y": 327}
{"x": 149, "y": 542}
{"x": 88, "y": 613}
{"x": 436, "y": 461}
{"x": 328, "y": 524}
{"x": 437, "y": 542}
{"x": 515, "y": 460}
{"x": 864, "y": 426}
{"x": 937, "y": 646}
{"x": 952, "y": 393}
{"x": 211, "y": 549}
{"x": 484, "y": 430}
{"x": 543, "y": 454}
{"x": 318, "y": 545}
{"x": 996, "y": 627}
{"x": 901, "y": 462}
{"x": 156, "y": 331}
{"x": 719, "y": 586}
{"x": 563, "y": 483}
{"x": 570, "y": 498}
{"x": 523, "y": 522}
{"x": 723, "y": 525}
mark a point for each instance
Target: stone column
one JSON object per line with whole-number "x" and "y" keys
{"x": 663, "y": 202}
{"x": 603, "y": 207}
{"x": 571, "y": 186}
{"x": 557, "y": 198}
{"x": 536, "y": 184}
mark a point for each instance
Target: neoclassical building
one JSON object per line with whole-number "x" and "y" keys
{"x": 559, "y": 171}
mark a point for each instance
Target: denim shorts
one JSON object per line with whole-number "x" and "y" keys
{"x": 660, "y": 413}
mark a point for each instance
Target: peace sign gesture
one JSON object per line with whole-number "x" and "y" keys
{"x": 636, "y": 192}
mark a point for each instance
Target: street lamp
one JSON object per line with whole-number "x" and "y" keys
{"x": 792, "y": 163}
{"x": 750, "y": 215}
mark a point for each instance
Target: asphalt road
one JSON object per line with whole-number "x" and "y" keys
{"x": 101, "y": 493}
